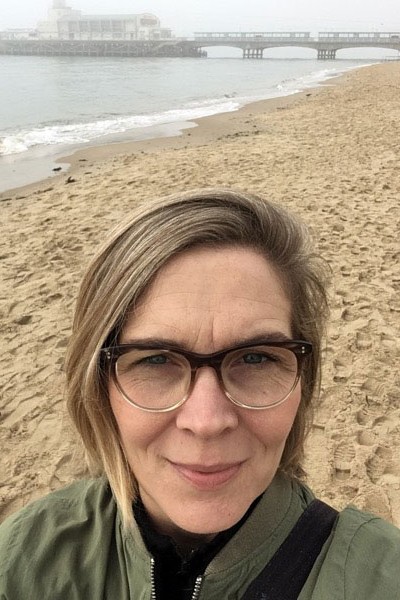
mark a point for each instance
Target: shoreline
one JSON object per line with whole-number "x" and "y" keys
{"x": 198, "y": 132}
{"x": 66, "y": 159}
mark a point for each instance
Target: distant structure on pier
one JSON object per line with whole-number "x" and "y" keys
{"x": 65, "y": 23}
{"x": 68, "y": 32}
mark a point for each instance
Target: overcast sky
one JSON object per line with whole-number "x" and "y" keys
{"x": 186, "y": 16}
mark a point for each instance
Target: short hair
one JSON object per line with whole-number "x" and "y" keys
{"x": 122, "y": 271}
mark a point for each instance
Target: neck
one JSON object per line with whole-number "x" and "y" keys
{"x": 185, "y": 541}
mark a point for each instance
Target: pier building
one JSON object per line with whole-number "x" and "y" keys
{"x": 65, "y": 23}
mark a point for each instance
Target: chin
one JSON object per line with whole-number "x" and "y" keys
{"x": 209, "y": 518}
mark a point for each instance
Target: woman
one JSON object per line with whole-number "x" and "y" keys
{"x": 193, "y": 362}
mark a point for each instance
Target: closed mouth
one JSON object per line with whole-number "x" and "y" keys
{"x": 207, "y": 477}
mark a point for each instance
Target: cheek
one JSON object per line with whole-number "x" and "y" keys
{"x": 272, "y": 426}
{"x": 137, "y": 428}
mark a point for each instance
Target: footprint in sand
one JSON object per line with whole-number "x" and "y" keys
{"x": 343, "y": 370}
{"x": 378, "y": 462}
{"x": 363, "y": 341}
{"x": 366, "y": 438}
{"x": 348, "y": 315}
{"x": 374, "y": 387}
{"x": 388, "y": 341}
{"x": 372, "y": 498}
{"x": 343, "y": 457}
{"x": 362, "y": 417}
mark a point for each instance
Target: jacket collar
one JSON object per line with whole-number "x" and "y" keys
{"x": 271, "y": 521}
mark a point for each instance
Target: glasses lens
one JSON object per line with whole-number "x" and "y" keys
{"x": 153, "y": 379}
{"x": 260, "y": 376}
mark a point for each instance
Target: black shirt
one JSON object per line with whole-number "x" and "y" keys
{"x": 176, "y": 571}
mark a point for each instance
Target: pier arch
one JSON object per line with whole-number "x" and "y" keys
{"x": 360, "y": 53}
{"x": 288, "y": 52}
{"x": 223, "y": 52}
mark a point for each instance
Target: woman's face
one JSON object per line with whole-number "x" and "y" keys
{"x": 200, "y": 466}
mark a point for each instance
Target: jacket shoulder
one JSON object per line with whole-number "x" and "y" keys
{"x": 372, "y": 561}
{"x": 55, "y": 531}
{"x": 80, "y": 498}
{"x": 361, "y": 560}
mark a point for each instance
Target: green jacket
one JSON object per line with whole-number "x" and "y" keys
{"x": 71, "y": 546}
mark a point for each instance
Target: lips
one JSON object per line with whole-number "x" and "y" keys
{"x": 207, "y": 477}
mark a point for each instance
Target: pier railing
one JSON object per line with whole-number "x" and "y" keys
{"x": 327, "y": 43}
{"x": 275, "y": 36}
{"x": 358, "y": 36}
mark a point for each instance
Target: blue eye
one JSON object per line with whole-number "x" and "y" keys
{"x": 157, "y": 359}
{"x": 254, "y": 358}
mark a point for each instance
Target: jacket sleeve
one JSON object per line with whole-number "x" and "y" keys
{"x": 372, "y": 564}
{"x": 360, "y": 561}
{"x": 57, "y": 548}
{"x": 11, "y": 564}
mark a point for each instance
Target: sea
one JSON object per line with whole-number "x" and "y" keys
{"x": 52, "y": 106}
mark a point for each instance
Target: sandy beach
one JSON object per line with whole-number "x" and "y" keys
{"x": 330, "y": 154}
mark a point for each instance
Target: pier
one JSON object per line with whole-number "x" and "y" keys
{"x": 252, "y": 44}
{"x": 96, "y": 48}
{"x": 326, "y": 44}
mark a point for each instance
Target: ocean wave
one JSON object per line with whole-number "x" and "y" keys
{"x": 74, "y": 133}
{"x": 81, "y": 133}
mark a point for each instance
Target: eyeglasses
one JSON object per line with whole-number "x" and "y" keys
{"x": 160, "y": 379}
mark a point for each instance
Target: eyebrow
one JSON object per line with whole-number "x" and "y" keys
{"x": 153, "y": 342}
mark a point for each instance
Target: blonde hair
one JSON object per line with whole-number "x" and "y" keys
{"x": 125, "y": 266}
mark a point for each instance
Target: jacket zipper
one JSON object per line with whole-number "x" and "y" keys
{"x": 197, "y": 587}
{"x": 153, "y": 583}
{"x": 196, "y": 590}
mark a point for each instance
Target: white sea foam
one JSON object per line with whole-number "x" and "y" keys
{"x": 294, "y": 85}
{"x": 81, "y": 133}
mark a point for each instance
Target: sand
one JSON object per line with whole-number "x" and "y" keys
{"x": 332, "y": 155}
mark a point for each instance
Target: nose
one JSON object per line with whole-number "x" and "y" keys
{"x": 207, "y": 411}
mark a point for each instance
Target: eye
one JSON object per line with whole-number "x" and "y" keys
{"x": 255, "y": 358}
{"x": 139, "y": 360}
{"x": 156, "y": 359}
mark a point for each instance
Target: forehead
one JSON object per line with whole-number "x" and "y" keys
{"x": 211, "y": 297}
